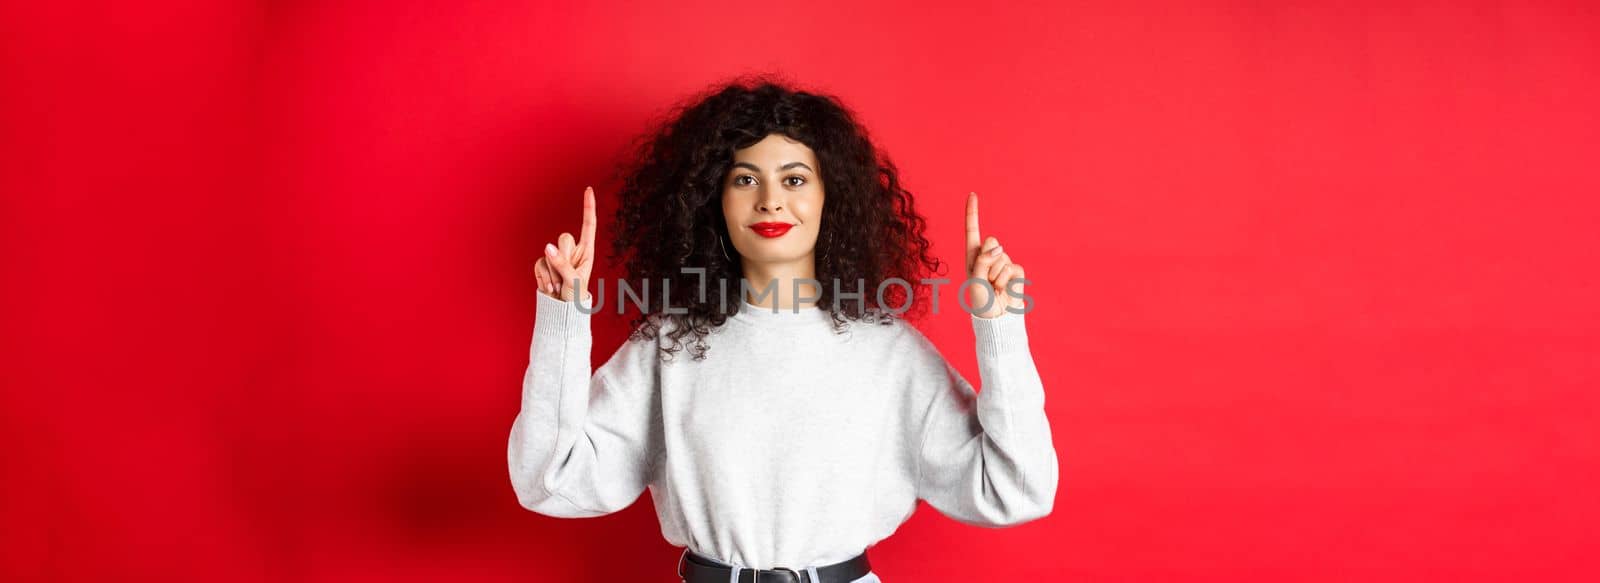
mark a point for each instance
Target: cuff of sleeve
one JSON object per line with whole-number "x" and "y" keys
{"x": 559, "y": 318}
{"x": 1003, "y": 334}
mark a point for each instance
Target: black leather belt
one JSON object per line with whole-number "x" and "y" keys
{"x": 694, "y": 567}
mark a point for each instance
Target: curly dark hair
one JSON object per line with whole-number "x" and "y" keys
{"x": 670, "y": 215}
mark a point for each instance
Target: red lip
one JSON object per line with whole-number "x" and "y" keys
{"x": 771, "y": 230}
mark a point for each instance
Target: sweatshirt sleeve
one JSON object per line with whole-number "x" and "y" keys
{"x": 987, "y": 459}
{"x": 582, "y": 445}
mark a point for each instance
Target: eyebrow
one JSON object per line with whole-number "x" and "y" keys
{"x": 780, "y": 168}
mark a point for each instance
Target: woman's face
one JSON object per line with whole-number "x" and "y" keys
{"x": 775, "y": 181}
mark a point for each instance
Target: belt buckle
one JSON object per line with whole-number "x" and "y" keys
{"x": 756, "y": 577}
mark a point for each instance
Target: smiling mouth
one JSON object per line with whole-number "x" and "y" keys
{"x": 771, "y": 230}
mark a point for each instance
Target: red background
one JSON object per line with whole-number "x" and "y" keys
{"x": 1315, "y": 281}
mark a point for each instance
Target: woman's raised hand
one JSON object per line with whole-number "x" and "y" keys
{"x": 566, "y": 262}
{"x": 988, "y": 262}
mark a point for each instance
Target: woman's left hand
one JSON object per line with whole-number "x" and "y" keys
{"x": 988, "y": 262}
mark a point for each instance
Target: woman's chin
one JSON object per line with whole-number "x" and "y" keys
{"x": 774, "y": 257}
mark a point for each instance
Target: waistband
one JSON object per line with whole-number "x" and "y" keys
{"x": 694, "y": 567}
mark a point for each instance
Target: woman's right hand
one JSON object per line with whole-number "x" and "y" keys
{"x": 566, "y": 261}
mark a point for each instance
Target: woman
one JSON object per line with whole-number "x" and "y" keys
{"x": 811, "y": 417}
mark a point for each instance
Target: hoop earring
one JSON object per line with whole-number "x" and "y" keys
{"x": 723, "y": 247}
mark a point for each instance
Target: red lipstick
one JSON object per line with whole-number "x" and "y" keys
{"x": 771, "y": 230}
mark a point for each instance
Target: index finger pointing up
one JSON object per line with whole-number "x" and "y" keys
{"x": 974, "y": 242}
{"x": 586, "y": 236}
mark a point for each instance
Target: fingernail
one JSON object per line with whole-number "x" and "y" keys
{"x": 550, "y": 249}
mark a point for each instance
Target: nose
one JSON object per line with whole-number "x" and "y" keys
{"x": 771, "y": 200}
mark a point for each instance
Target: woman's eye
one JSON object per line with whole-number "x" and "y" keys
{"x": 791, "y": 180}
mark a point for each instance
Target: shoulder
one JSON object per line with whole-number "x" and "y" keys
{"x": 925, "y": 379}
{"x": 918, "y": 360}
{"x": 636, "y": 361}
{"x": 908, "y": 339}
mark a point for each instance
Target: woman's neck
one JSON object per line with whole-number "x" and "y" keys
{"x": 780, "y": 279}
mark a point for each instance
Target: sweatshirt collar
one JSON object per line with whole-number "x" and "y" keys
{"x": 801, "y": 316}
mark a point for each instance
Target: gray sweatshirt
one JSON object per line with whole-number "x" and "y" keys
{"x": 789, "y": 445}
